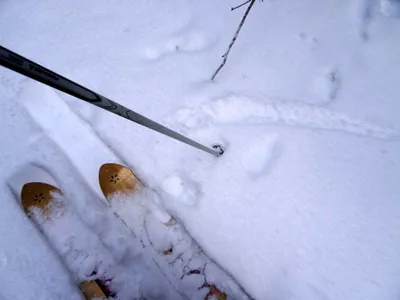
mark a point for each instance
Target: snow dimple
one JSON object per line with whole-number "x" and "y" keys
{"x": 191, "y": 42}
{"x": 260, "y": 155}
{"x": 309, "y": 40}
{"x": 390, "y": 8}
{"x": 327, "y": 85}
{"x": 242, "y": 110}
{"x": 182, "y": 189}
{"x": 363, "y": 12}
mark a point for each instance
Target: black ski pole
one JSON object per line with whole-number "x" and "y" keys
{"x": 35, "y": 71}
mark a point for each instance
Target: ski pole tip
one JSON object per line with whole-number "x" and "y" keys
{"x": 219, "y": 149}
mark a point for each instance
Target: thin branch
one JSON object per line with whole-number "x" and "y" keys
{"x": 233, "y": 8}
{"x": 225, "y": 56}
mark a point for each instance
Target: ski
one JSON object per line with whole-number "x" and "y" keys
{"x": 179, "y": 258}
{"x": 173, "y": 264}
{"x": 40, "y": 201}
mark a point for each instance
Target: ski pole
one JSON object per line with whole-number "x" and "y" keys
{"x": 20, "y": 64}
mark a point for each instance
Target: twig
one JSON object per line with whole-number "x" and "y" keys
{"x": 225, "y": 56}
{"x": 233, "y": 8}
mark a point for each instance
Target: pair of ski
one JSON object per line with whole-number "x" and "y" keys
{"x": 119, "y": 185}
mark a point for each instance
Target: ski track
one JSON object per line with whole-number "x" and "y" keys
{"x": 88, "y": 237}
{"x": 74, "y": 155}
{"x": 58, "y": 111}
{"x": 33, "y": 97}
{"x": 79, "y": 248}
{"x": 185, "y": 267}
{"x": 230, "y": 111}
{"x": 238, "y": 110}
{"x": 243, "y": 110}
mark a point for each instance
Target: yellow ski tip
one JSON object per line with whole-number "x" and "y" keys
{"x": 115, "y": 178}
{"x": 90, "y": 289}
{"x": 37, "y": 194}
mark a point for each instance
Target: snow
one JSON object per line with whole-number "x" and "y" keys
{"x": 185, "y": 257}
{"x": 390, "y": 8}
{"x": 260, "y": 155}
{"x": 182, "y": 189}
{"x": 327, "y": 85}
{"x": 303, "y": 204}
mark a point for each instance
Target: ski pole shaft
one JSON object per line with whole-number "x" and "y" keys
{"x": 20, "y": 64}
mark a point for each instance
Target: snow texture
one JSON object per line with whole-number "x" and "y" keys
{"x": 181, "y": 189}
{"x": 184, "y": 265}
{"x": 327, "y": 85}
{"x": 260, "y": 155}
{"x": 303, "y": 204}
{"x": 390, "y": 8}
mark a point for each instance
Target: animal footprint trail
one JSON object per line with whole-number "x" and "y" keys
{"x": 195, "y": 41}
{"x": 242, "y": 110}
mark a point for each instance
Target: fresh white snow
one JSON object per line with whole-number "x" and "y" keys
{"x": 390, "y": 8}
{"x": 182, "y": 189}
{"x": 303, "y": 204}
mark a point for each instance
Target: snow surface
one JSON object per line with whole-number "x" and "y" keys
{"x": 304, "y": 203}
{"x": 143, "y": 258}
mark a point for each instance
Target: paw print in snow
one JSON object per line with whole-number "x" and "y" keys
{"x": 193, "y": 42}
{"x": 327, "y": 85}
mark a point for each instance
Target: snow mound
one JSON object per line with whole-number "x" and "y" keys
{"x": 244, "y": 110}
{"x": 259, "y": 155}
{"x": 182, "y": 189}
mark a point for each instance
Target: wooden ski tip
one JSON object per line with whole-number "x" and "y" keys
{"x": 91, "y": 290}
{"x": 215, "y": 293}
{"x": 115, "y": 178}
{"x": 38, "y": 194}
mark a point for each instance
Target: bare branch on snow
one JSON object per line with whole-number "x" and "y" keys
{"x": 233, "y": 8}
{"x": 225, "y": 56}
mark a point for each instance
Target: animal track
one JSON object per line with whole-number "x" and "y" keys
{"x": 193, "y": 42}
{"x": 242, "y": 110}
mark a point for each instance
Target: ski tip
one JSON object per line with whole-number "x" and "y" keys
{"x": 37, "y": 194}
{"x": 115, "y": 178}
{"x": 91, "y": 290}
